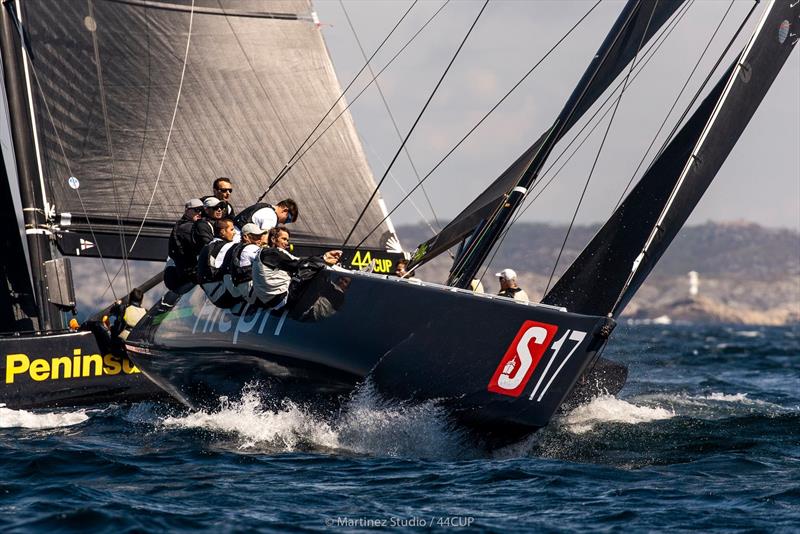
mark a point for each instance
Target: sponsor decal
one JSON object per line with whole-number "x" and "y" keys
{"x": 521, "y": 358}
{"x": 362, "y": 261}
{"x": 64, "y": 367}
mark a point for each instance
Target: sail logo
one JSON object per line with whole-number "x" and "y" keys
{"x": 522, "y": 358}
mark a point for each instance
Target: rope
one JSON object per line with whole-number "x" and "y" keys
{"x": 477, "y": 124}
{"x": 600, "y": 149}
{"x": 25, "y": 49}
{"x": 171, "y": 126}
{"x": 413, "y": 126}
{"x": 291, "y": 162}
{"x": 110, "y": 144}
{"x": 650, "y": 53}
{"x": 392, "y": 119}
{"x": 674, "y": 103}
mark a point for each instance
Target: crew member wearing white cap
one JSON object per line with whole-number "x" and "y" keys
{"x": 179, "y": 272}
{"x": 203, "y": 230}
{"x": 509, "y": 287}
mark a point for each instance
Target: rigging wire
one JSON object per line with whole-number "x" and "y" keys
{"x": 542, "y": 186}
{"x": 27, "y": 51}
{"x": 644, "y": 63}
{"x": 482, "y": 119}
{"x": 291, "y": 162}
{"x": 171, "y": 126}
{"x": 414, "y": 125}
{"x": 674, "y": 103}
{"x": 399, "y": 185}
{"x": 657, "y": 227}
{"x": 600, "y": 149}
{"x": 391, "y": 118}
{"x": 280, "y": 121}
{"x": 110, "y": 145}
{"x": 353, "y": 101}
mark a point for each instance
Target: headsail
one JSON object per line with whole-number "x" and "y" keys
{"x": 615, "y": 263}
{"x": 255, "y": 83}
{"x": 637, "y": 23}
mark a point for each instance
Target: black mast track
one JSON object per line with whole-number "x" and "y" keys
{"x": 46, "y": 315}
{"x": 603, "y": 279}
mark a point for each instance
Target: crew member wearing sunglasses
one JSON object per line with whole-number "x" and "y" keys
{"x": 222, "y": 192}
{"x": 203, "y": 230}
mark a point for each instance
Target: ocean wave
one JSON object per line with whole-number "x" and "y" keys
{"x": 39, "y": 420}
{"x": 610, "y": 409}
{"x": 366, "y": 424}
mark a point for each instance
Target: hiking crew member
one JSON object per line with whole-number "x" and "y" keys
{"x": 273, "y": 271}
{"x": 179, "y": 273}
{"x": 222, "y": 191}
{"x": 212, "y": 255}
{"x": 132, "y": 315}
{"x": 509, "y": 287}
{"x": 203, "y": 230}
{"x": 267, "y": 216}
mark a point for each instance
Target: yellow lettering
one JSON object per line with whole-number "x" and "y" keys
{"x": 128, "y": 367}
{"x": 56, "y": 365}
{"x": 111, "y": 365}
{"x": 40, "y": 370}
{"x": 88, "y": 360}
{"x": 16, "y": 364}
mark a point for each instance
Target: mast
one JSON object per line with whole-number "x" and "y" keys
{"x": 37, "y": 233}
{"x": 635, "y": 25}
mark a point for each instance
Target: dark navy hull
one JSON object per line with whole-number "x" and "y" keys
{"x": 67, "y": 369}
{"x": 495, "y": 363}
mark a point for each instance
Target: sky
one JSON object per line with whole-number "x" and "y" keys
{"x": 760, "y": 181}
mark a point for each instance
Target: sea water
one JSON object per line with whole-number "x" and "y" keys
{"x": 705, "y": 436}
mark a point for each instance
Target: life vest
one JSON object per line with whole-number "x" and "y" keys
{"x": 209, "y": 269}
{"x": 181, "y": 246}
{"x": 133, "y": 314}
{"x": 231, "y": 265}
{"x": 268, "y": 279}
{"x": 246, "y": 215}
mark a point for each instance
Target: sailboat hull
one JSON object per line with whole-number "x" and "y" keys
{"x": 55, "y": 369}
{"x": 493, "y": 362}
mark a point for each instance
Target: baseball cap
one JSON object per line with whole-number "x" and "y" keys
{"x": 211, "y": 202}
{"x": 193, "y": 203}
{"x": 252, "y": 228}
{"x": 507, "y": 274}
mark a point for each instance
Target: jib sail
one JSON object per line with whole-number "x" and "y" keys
{"x": 616, "y": 262}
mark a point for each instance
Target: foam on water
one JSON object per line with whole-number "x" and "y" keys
{"x": 365, "y": 425}
{"x": 39, "y": 420}
{"x": 609, "y": 409}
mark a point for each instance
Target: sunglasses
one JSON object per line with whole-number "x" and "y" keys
{"x": 219, "y": 208}
{"x": 225, "y": 190}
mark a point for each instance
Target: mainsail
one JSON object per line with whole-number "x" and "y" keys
{"x": 147, "y": 102}
{"x": 618, "y": 259}
{"x": 634, "y": 27}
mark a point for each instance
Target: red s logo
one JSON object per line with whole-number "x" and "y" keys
{"x": 521, "y": 358}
